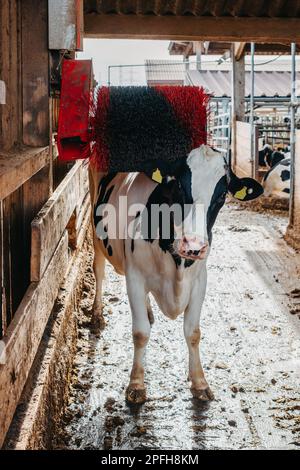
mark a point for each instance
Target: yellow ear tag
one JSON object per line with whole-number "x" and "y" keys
{"x": 241, "y": 194}
{"x": 156, "y": 176}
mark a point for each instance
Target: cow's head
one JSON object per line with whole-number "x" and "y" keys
{"x": 202, "y": 181}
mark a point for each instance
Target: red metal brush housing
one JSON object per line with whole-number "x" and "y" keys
{"x": 73, "y": 136}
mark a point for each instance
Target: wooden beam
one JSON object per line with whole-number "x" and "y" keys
{"x": 192, "y": 28}
{"x": 25, "y": 332}
{"x": 238, "y": 100}
{"x": 239, "y": 50}
{"x": 35, "y": 73}
{"x": 17, "y": 167}
{"x": 238, "y": 85}
{"x": 48, "y": 226}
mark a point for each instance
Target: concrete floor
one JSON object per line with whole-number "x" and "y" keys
{"x": 250, "y": 351}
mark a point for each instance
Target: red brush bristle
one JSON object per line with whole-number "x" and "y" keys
{"x": 100, "y": 149}
{"x": 190, "y": 106}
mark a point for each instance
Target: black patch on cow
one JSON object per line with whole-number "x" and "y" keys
{"x": 216, "y": 203}
{"x": 276, "y": 158}
{"x": 286, "y": 190}
{"x": 104, "y": 195}
{"x": 103, "y": 198}
{"x": 285, "y": 175}
{"x": 109, "y": 250}
{"x": 185, "y": 182}
{"x": 285, "y": 162}
{"x": 188, "y": 263}
{"x": 265, "y": 155}
{"x": 167, "y": 193}
{"x": 137, "y": 215}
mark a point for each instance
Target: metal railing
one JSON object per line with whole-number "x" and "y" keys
{"x": 219, "y": 131}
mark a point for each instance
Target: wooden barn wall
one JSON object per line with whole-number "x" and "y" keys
{"x": 10, "y": 73}
{"x": 24, "y": 122}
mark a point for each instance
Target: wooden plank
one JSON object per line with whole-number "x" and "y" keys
{"x": 3, "y": 273}
{"x": 239, "y": 50}
{"x": 238, "y": 88}
{"x": 35, "y": 73}
{"x": 191, "y": 28}
{"x": 16, "y": 281}
{"x": 10, "y": 65}
{"x": 36, "y": 192}
{"x": 49, "y": 225}
{"x": 25, "y": 332}
{"x": 17, "y": 167}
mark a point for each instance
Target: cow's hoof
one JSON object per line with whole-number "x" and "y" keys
{"x": 135, "y": 396}
{"x": 202, "y": 395}
{"x": 97, "y": 323}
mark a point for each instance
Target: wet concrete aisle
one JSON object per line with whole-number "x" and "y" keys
{"x": 250, "y": 352}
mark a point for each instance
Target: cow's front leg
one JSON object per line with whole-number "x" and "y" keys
{"x": 200, "y": 388}
{"x": 98, "y": 267}
{"x": 136, "y": 391}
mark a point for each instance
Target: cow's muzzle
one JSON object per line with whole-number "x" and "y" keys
{"x": 191, "y": 247}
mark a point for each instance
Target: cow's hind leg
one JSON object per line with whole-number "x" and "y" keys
{"x": 98, "y": 266}
{"x": 149, "y": 310}
{"x": 200, "y": 388}
{"x": 136, "y": 391}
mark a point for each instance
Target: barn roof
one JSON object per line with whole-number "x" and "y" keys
{"x": 262, "y": 21}
{"x": 216, "y": 8}
{"x": 267, "y": 84}
{"x": 186, "y": 49}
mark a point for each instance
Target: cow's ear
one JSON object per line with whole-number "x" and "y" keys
{"x": 245, "y": 189}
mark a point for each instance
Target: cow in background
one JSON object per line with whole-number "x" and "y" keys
{"x": 264, "y": 155}
{"x": 278, "y": 179}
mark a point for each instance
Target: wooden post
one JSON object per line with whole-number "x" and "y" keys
{"x": 35, "y": 68}
{"x": 238, "y": 97}
{"x": 197, "y": 46}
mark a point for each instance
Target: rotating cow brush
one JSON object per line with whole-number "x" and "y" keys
{"x": 123, "y": 129}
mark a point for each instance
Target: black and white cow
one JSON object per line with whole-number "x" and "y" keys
{"x": 278, "y": 179}
{"x": 274, "y": 158}
{"x": 172, "y": 269}
{"x": 264, "y": 155}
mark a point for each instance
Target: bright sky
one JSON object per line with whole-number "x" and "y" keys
{"x": 105, "y": 52}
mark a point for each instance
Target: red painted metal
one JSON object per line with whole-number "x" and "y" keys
{"x": 73, "y": 136}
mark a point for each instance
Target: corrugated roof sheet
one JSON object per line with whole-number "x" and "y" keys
{"x": 186, "y": 48}
{"x": 267, "y": 84}
{"x": 164, "y": 71}
{"x": 219, "y": 8}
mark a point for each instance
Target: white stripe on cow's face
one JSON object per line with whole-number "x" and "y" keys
{"x": 207, "y": 169}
